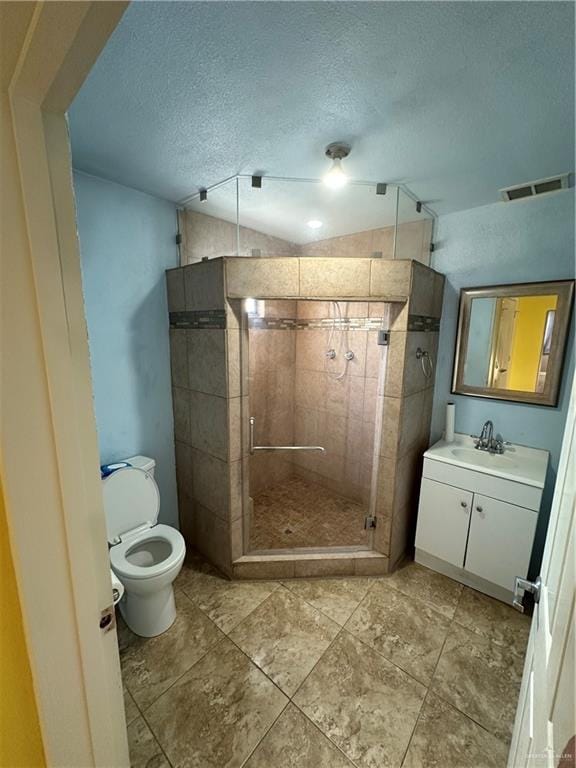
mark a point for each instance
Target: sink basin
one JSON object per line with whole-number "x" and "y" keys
{"x": 518, "y": 462}
{"x": 483, "y": 459}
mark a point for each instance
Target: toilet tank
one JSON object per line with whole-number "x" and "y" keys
{"x": 142, "y": 462}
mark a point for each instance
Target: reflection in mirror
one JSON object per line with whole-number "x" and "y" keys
{"x": 511, "y": 341}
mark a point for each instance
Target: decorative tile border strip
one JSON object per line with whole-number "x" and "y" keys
{"x": 201, "y": 319}
{"x": 292, "y": 324}
{"x": 423, "y": 323}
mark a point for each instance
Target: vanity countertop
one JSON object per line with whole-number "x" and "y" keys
{"x": 517, "y": 463}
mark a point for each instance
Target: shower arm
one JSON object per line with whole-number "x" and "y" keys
{"x": 254, "y": 448}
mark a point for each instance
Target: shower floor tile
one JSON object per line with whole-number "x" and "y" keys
{"x": 299, "y": 514}
{"x": 290, "y": 686}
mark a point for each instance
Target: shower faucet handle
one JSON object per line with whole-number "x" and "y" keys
{"x": 349, "y": 355}
{"x": 330, "y": 354}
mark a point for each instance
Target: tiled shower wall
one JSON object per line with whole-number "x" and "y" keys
{"x": 298, "y": 399}
{"x": 407, "y": 412}
{"x": 204, "y": 350}
{"x": 208, "y": 237}
{"x": 204, "y": 297}
{"x": 271, "y": 379}
{"x": 337, "y": 413}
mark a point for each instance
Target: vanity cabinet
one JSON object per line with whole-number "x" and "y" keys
{"x": 475, "y": 526}
{"x": 443, "y": 521}
{"x": 500, "y": 540}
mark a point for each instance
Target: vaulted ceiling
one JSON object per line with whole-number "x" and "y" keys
{"x": 455, "y": 99}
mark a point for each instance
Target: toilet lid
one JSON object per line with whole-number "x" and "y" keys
{"x": 131, "y": 500}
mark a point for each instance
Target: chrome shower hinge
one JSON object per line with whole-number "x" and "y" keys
{"x": 370, "y": 521}
{"x": 383, "y": 338}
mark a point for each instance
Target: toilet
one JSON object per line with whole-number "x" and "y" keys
{"x": 145, "y": 556}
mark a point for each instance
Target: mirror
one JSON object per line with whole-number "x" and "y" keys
{"x": 511, "y": 341}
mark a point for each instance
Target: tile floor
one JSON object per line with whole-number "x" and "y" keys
{"x": 298, "y": 514}
{"x": 408, "y": 670}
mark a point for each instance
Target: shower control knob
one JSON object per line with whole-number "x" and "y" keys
{"x": 349, "y": 355}
{"x": 331, "y": 354}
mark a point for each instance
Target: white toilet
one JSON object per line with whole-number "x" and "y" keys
{"x": 145, "y": 556}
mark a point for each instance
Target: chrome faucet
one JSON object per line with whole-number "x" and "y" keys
{"x": 486, "y": 440}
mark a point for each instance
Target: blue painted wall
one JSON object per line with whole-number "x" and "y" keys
{"x": 517, "y": 242}
{"x": 126, "y": 243}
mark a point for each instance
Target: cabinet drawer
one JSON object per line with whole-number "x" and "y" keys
{"x": 500, "y": 540}
{"x": 515, "y": 493}
{"x": 443, "y": 519}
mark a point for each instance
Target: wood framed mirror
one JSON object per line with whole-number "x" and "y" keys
{"x": 511, "y": 341}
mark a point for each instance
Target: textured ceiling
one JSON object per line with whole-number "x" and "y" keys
{"x": 454, "y": 99}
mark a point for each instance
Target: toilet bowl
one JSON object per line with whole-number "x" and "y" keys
{"x": 145, "y": 556}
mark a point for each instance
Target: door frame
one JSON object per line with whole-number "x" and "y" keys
{"x": 48, "y": 449}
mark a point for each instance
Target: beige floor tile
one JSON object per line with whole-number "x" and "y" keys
{"x": 337, "y": 598}
{"x": 144, "y": 749}
{"x": 151, "y": 664}
{"x": 493, "y": 619}
{"x": 362, "y": 702}
{"x": 439, "y": 591}
{"x": 130, "y": 707}
{"x": 285, "y": 637}
{"x": 293, "y": 742}
{"x": 215, "y": 715}
{"x": 445, "y": 738}
{"x": 480, "y": 678}
{"x": 405, "y": 630}
{"x": 226, "y": 602}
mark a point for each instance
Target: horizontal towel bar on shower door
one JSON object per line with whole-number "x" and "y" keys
{"x": 279, "y": 447}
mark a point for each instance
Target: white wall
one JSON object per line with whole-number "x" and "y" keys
{"x": 524, "y": 241}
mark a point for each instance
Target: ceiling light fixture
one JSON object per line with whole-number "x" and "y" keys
{"x": 314, "y": 224}
{"x": 336, "y": 178}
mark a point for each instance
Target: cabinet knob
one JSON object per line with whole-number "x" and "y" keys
{"x": 480, "y": 511}
{"x": 464, "y": 504}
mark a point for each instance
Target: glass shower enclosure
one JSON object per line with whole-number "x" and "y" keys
{"x": 313, "y": 367}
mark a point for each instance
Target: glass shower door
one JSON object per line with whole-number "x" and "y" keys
{"x": 312, "y": 384}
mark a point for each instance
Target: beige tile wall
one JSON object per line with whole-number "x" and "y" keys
{"x": 271, "y": 378}
{"x": 413, "y": 240}
{"x": 338, "y": 414}
{"x": 364, "y": 244}
{"x": 406, "y": 418}
{"x": 209, "y": 237}
{"x": 205, "y": 368}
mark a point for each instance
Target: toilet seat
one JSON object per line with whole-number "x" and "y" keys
{"x": 131, "y": 503}
{"x": 119, "y": 552}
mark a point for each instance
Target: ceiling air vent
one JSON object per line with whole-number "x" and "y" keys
{"x": 534, "y": 188}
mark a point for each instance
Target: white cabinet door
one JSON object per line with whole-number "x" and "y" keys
{"x": 500, "y": 541}
{"x": 443, "y": 518}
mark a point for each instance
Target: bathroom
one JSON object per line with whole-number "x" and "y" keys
{"x": 297, "y": 302}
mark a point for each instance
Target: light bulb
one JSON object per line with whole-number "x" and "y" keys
{"x": 314, "y": 224}
{"x": 335, "y": 178}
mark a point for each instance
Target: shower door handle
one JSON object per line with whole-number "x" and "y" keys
{"x": 254, "y": 448}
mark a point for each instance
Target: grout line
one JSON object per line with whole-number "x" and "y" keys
{"x": 325, "y": 735}
{"x": 381, "y": 655}
{"x": 160, "y": 747}
{"x": 415, "y": 726}
{"x": 261, "y": 739}
{"x": 173, "y": 683}
{"x": 328, "y": 647}
{"x": 333, "y": 578}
